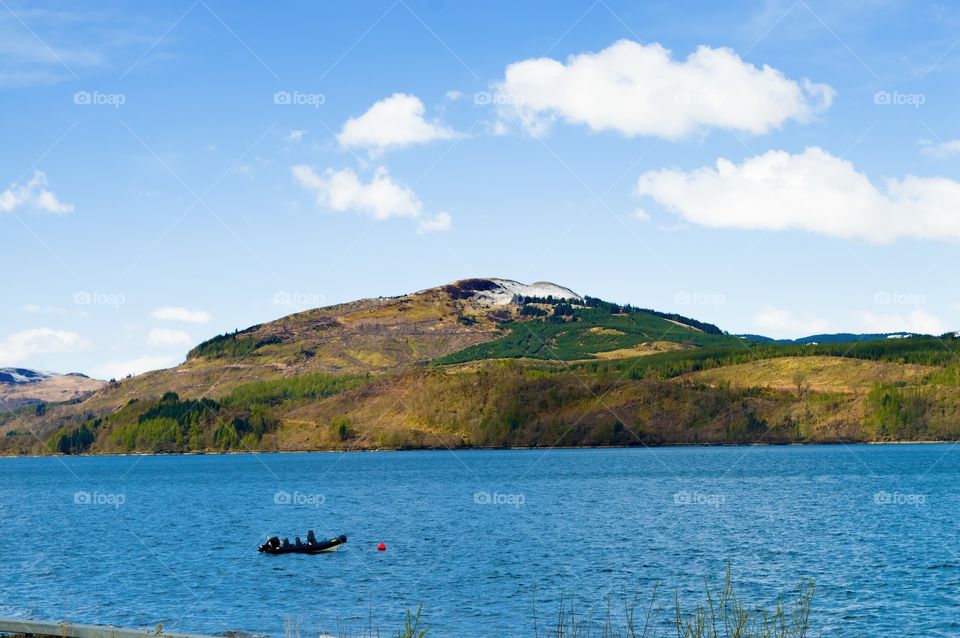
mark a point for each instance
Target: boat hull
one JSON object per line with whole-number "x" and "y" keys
{"x": 273, "y": 546}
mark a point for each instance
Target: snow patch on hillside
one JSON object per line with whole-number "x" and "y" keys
{"x": 23, "y": 375}
{"x": 507, "y": 289}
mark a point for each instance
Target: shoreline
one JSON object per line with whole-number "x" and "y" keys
{"x": 479, "y": 449}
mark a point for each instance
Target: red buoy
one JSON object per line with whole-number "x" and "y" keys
{"x": 382, "y": 547}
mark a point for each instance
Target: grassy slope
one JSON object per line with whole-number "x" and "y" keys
{"x": 516, "y": 403}
{"x": 503, "y": 404}
{"x": 591, "y": 333}
{"x": 819, "y": 373}
{"x": 364, "y": 336}
{"x": 525, "y": 403}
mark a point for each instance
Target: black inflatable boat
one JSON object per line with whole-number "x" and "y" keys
{"x": 312, "y": 546}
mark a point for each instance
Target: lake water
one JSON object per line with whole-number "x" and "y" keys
{"x": 137, "y": 541}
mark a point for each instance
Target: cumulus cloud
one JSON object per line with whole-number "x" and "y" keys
{"x": 33, "y": 194}
{"x": 177, "y": 313}
{"x": 139, "y": 365}
{"x": 783, "y": 324}
{"x": 381, "y": 198}
{"x": 635, "y": 89}
{"x": 812, "y": 191}
{"x": 20, "y": 346}
{"x": 940, "y": 150}
{"x": 166, "y": 338}
{"x": 392, "y": 123}
{"x": 439, "y": 222}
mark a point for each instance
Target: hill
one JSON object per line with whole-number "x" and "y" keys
{"x": 838, "y": 337}
{"x": 21, "y": 386}
{"x": 493, "y": 362}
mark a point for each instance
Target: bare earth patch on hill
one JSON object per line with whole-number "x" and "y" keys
{"x": 642, "y": 350}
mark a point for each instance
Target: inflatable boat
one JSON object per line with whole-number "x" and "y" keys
{"x": 312, "y": 546}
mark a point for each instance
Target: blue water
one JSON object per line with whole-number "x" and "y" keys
{"x": 137, "y": 541}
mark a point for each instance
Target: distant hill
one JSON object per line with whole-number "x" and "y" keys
{"x": 494, "y": 362}
{"x": 23, "y": 386}
{"x": 21, "y": 376}
{"x": 839, "y": 337}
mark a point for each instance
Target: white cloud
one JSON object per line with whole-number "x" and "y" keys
{"x": 35, "y": 309}
{"x": 176, "y": 313}
{"x": 391, "y": 123}
{"x": 22, "y": 345}
{"x": 918, "y": 320}
{"x": 497, "y": 128}
{"x": 637, "y": 89}
{"x": 120, "y": 369}
{"x": 439, "y": 222}
{"x": 41, "y": 53}
{"x": 33, "y": 194}
{"x": 295, "y": 136}
{"x": 640, "y": 214}
{"x": 782, "y": 324}
{"x": 166, "y": 337}
{"x": 940, "y": 150}
{"x": 812, "y": 191}
{"x": 453, "y": 95}
{"x": 381, "y": 198}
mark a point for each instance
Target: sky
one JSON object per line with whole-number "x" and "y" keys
{"x": 170, "y": 171}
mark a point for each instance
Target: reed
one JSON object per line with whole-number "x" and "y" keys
{"x": 721, "y": 613}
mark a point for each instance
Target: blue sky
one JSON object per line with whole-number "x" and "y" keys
{"x": 174, "y": 170}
